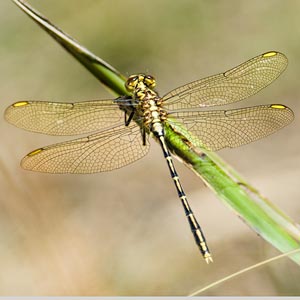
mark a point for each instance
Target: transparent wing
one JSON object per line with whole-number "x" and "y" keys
{"x": 104, "y": 151}
{"x": 234, "y": 85}
{"x": 219, "y": 129}
{"x": 58, "y": 118}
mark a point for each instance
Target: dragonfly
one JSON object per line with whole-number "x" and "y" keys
{"x": 120, "y": 128}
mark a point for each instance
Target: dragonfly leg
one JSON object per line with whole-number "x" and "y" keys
{"x": 194, "y": 225}
{"x": 127, "y": 121}
{"x": 144, "y": 136}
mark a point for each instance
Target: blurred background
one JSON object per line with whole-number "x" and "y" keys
{"x": 110, "y": 233}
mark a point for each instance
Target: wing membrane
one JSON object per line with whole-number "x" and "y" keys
{"x": 56, "y": 118}
{"x": 219, "y": 129}
{"x": 232, "y": 86}
{"x": 104, "y": 151}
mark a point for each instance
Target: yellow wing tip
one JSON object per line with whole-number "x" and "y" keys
{"x": 20, "y": 103}
{"x": 278, "y": 106}
{"x": 34, "y": 152}
{"x": 270, "y": 53}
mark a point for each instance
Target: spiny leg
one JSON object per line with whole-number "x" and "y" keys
{"x": 195, "y": 227}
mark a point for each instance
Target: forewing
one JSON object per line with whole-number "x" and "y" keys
{"x": 104, "y": 151}
{"x": 219, "y": 129}
{"x": 232, "y": 86}
{"x": 56, "y": 118}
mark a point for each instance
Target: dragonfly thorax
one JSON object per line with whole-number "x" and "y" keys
{"x": 148, "y": 101}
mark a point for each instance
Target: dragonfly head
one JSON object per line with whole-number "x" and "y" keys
{"x": 135, "y": 82}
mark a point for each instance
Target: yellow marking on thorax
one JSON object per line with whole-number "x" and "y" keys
{"x": 269, "y": 54}
{"x": 20, "y": 103}
{"x": 153, "y": 106}
{"x": 140, "y": 95}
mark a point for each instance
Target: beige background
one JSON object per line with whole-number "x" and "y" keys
{"x": 124, "y": 232}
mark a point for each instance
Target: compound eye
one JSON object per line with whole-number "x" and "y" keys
{"x": 131, "y": 82}
{"x": 150, "y": 81}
